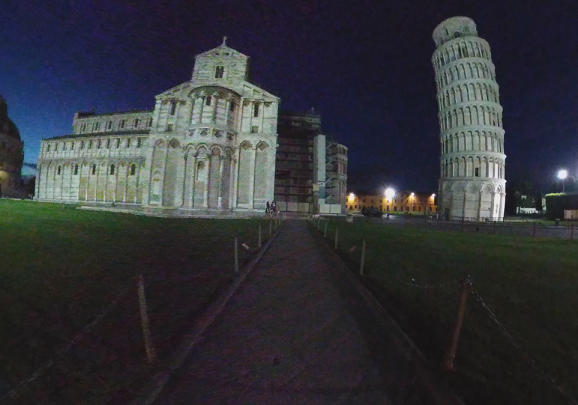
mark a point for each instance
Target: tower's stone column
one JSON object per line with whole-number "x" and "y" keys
{"x": 470, "y": 116}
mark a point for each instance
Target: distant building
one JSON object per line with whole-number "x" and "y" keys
{"x": 404, "y": 201}
{"x": 208, "y": 144}
{"x": 11, "y": 155}
{"x": 472, "y": 165}
{"x": 311, "y": 168}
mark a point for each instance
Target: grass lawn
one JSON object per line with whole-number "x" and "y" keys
{"x": 531, "y": 285}
{"x": 61, "y": 267}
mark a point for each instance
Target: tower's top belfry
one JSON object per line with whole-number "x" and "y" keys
{"x": 454, "y": 27}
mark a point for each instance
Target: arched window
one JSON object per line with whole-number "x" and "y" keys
{"x": 112, "y": 169}
{"x": 48, "y": 148}
{"x": 132, "y": 169}
{"x": 219, "y": 72}
{"x": 93, "y": 169}
{"x": 75, "y": 169}
{"x": 109, "y": 125}
{"x": 118, "y": 143}
{"x": 58, "y": 170}
{"x": 108, "y": 144}
{"x": 128, "y": 143}
{"x": 208, "y": 100}
{"x": 173, "y": 107}
{"x": 136, "y": 123}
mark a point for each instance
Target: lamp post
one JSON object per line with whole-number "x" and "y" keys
{"x": 389, "y": 194}
{"x": 562, "y": 174}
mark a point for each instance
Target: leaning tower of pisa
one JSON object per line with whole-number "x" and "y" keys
{"x": 472, "y": 179}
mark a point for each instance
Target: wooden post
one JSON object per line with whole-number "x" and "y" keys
{"x": 325, "y": 230}
{"x": 362, "y": 258}
{"x": 146, "y": 331}
{"x": 259, "y": 235}
{"x": 451, "y": 353}
{"x": 236, "y": 255}
{"x": 336, "y": 236}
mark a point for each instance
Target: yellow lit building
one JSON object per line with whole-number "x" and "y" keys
{"x": 402, "y": 201}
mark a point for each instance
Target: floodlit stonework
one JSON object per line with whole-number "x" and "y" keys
{"x": 11, "y": 154}
{"x": 209, "y": 143}
{"x": 472, "y": 181}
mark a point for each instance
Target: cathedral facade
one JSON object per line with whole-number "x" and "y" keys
{"x": 208, "y": 144}
{"x": 11, "y": 154}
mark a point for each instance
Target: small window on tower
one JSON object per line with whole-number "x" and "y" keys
{"x": 136, "y": 123}
{"x": 219, "y": 72}
{"x": 93, "y": 169}
{"x": 477, "y": 172}
{"x": 208, "y": 100}
{"x": 173, "y": 107}
{"x": 256, "y": 110}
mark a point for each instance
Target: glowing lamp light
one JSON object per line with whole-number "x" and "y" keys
{"x": 412, "y": 195}
{"x": 351, "y": 196}
{"x": 433, "y": 195}
{"x": 562, "y": 174}
{"x": 389, "y": 193}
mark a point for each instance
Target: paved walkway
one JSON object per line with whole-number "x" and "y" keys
{"x": 294, "y": 333}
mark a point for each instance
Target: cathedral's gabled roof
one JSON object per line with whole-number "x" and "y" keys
{"x": 223, "y": 50}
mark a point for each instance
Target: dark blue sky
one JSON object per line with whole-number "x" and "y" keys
{"x": 364, "y": 65}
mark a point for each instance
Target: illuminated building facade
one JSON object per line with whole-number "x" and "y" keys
{"x": 472, "y": 165}
{"x": 208, "y": 144}
{"x": 402, "y": 201}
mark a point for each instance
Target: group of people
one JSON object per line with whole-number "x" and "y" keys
{"x": 272, "y": 210}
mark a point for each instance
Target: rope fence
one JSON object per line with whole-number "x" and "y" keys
{"x": 466, "y": 288}
{"x": 131, "y": 311}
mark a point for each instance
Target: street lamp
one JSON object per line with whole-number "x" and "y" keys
{"x": 389, "y": 193}
{"x": 562, "y": 174}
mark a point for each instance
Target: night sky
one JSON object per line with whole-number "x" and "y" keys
{"x": 364, "y": 65}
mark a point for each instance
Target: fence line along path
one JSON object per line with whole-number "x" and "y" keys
{"x": 296, "y": 332}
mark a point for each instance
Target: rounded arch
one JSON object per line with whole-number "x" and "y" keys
{"x": 262, "y": 145}
{"x": 216, "y": 150}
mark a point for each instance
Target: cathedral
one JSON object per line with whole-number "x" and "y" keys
{"x": 209, "y": 144}
{"x": 11, "y": 154}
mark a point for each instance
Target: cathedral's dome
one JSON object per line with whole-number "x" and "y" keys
{"x": 7, "y": 127}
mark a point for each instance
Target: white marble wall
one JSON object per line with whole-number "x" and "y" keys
{"x": 472, "y": 163}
